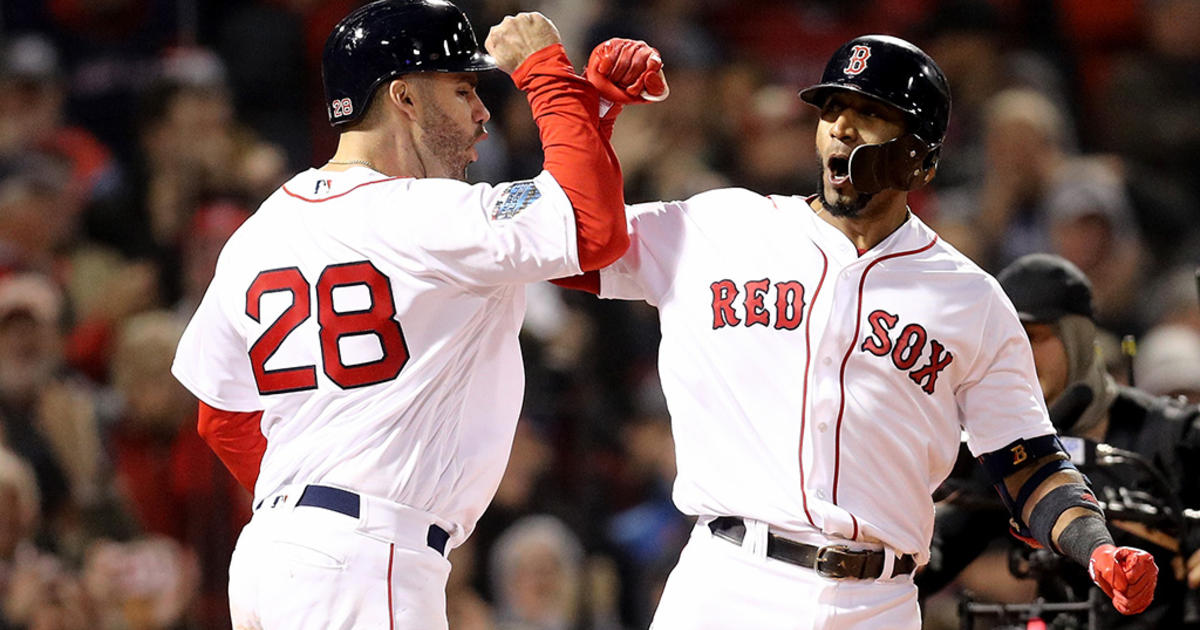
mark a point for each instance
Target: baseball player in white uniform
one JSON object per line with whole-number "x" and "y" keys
{"x": 356, "y": 354}
{"x": 821, "y": 357}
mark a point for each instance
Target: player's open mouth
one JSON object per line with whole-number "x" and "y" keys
{"x": 838, "y": 168}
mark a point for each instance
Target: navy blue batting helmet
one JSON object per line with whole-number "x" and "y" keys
{"x": 385, "y": 39}
{"x": 895, "y": 72}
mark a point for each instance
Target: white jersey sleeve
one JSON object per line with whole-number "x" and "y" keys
{"x": 1000, "y": 399}
{"x": 483, "y": 235}
{"x": 211, "y": 359}
{"x": 657, "y": 232}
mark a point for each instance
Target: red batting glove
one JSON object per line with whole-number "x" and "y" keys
{"x": 627, "y": 71}
{"x": 1126, "y": 574}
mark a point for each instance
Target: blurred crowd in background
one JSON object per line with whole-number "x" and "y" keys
{"x": 136, "y": 135}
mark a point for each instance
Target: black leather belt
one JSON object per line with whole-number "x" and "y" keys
{"x": 831, "y": 561}
{"x": 348, "y": 503}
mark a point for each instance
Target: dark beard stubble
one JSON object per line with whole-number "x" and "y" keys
{"x": 849, "y": 210}
{"x": 446, "y": 142}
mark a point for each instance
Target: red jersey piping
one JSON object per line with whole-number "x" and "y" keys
{"x": 807, "y": 361}
{"x": 303, "y": 198}
{"x": 846, "y": 359}
{"x": 391, "y": 610}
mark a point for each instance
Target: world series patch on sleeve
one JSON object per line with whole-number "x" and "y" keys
{"x": 517, "y": 197}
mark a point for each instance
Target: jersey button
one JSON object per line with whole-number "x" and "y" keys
{"x": 827, "y": 361}
{"x": 820, "y": 494}
{"x": 822, "y": 426}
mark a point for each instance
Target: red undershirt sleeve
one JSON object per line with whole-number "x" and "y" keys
{"x": 577, "y": 153}
{"x": 236, "y": 437}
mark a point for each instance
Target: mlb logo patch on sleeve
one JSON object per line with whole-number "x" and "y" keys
{"x": 517, "y": 197}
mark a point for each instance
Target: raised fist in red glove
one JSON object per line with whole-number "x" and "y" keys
{"x": 1125, "y": 574}
{"x": 627, "y": 71}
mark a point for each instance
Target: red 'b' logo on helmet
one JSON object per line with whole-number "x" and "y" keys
{"x": 858, "y": 59}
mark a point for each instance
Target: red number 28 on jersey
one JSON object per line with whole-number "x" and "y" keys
{"x": 378, "y": 320}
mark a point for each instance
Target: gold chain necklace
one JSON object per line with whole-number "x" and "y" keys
{"x": 352, "y": 162}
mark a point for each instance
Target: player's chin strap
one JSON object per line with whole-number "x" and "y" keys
{"x": 901, "y": 163}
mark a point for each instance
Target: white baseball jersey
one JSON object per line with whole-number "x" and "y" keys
{"x": 811, "y": 387}
{"x": 374, "y": 320}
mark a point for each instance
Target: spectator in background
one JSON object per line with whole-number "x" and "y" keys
{"x": 966, "y": 39}
{"x": 466, "y": 608}
{"x": 145, "y": 584}
{"x": 666, "y": 150}
{"x": 1148, "y": 115}
{"x": 197, "y": 132}
{"x": 104, "y": 289}
{"x": 175, "y": 486}
{"x": 538, "y": 576}
{"x": 30, "y": 309}
{"x": 1168, "y": 362}
{"x": 776, "y": 122}
{"x": 1004, "y": 216}
{"x": 193, "y": 151}
{"x": 19, "y": 511}
{"x": 32, "y": 97}
{"x": 1176, "y": 299}
{"x": 43, "y": 594}
{"x": 211, "y": 225}
{"x": 38, "y": 213}
{"x": 516, "y": 497}
{"x": 1091, "y": 224}
{"x": 36, "y": 591}
{"x": 649, "y": 534}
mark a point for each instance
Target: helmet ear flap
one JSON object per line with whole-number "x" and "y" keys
{"x": 901, "y": 164}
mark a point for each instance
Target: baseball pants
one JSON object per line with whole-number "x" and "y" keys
{"x": 718, "y": 585}
{"x": 302, "y": 567}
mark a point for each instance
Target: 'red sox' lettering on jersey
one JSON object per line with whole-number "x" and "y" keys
{"x": 908, "y": 346}
{"x": 786, "y": 310}
{"x": 836, "y": 362}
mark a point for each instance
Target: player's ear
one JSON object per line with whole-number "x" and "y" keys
{"x": 400, "y": 95}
